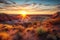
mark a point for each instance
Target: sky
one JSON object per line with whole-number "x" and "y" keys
{"x": 30, "y": 6}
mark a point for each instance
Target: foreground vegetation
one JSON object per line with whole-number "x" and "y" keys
{"x": 47, "y": 30}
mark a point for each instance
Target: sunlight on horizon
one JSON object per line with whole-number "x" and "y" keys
{"x": 23, "y": 13}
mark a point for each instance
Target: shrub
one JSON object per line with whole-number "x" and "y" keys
{"x": 40, "y": 31}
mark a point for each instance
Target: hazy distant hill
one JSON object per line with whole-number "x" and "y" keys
{"x": 9, "y": 17}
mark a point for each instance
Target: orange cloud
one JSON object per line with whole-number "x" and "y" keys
{"x": 31, "y": 8}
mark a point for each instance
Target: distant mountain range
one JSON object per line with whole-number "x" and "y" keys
{"x": 9, "y": 17}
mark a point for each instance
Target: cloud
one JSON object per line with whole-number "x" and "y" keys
{"x": 58, "y": 7}
{"x": 41, "y": 7}
{"x": 33, "y": 8}
{"x": 7, "y": 1}
{"x": 4, "y": 1}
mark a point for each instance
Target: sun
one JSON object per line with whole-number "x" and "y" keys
{"x": 23, "y": 13}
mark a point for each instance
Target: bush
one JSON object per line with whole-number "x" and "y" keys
{"x": 40, "y": 31}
